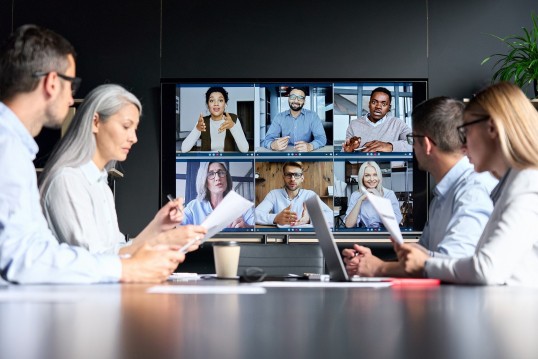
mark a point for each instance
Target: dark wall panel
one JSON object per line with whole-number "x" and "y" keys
{"x": 459, "y": 41}
{"x": 306, "y": 39}
{"x": 117, "y": 42}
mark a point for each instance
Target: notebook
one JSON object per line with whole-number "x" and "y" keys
{"x": 333, "y": 260}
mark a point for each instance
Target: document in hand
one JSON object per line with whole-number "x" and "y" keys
{"x": 232, "y": 207}
{"x": 229, "y": 209}
{"x": 384, "y": 209}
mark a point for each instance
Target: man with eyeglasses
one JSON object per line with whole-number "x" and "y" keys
{"x": 37, "y": 83}
{"x": 297, "y": 127}
{"x": 285, "y": 206}
{"x": 377, "y": 131}
{"x": 461, "y": 205}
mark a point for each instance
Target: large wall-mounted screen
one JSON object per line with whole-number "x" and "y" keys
{"x": 279, "y": 143}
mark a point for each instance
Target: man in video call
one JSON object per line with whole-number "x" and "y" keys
{"x": 377, "y": 131}
{"x": 285, "y": 206}
{"x": 297, "y": 127}
{"x": 461, "y": 205}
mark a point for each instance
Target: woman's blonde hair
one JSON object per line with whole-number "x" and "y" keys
{"x": 516, "y": 121}
{"x": 375, "y": 166}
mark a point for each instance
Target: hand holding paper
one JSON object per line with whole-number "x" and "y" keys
{"x": 384, "y": 209}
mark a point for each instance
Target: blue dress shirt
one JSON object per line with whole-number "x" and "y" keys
{"x": 277, "y": 200}
{"x": 29, "y": 253}
{"x": 306, "y": 127}
{"x": 459, "y": 212}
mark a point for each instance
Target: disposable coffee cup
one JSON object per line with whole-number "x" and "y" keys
{"x": 226, "y": 254}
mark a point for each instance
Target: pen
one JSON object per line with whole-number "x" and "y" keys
{"x": 171, "y": 199}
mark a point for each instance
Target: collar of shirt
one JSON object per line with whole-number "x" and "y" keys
{"x": 14, "y": 124}
{"x": 378, "y": 123}
{"x": 496, "y": 192}
{"x": 288, "y": 113}
{"x": 94, "y": 174}
{"x": 452, "y": 176}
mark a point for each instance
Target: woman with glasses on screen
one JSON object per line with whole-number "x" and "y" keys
{"x": 360, "y": 212}
{"x": 499, "y": 134}
{"x": 220, "y": 131}
{"x": 213, "y": 182}
{"x": 77, "y": 202}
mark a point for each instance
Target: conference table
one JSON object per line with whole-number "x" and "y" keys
{"x": 126, "y": 321}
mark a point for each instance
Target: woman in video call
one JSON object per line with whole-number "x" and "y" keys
{"x": 499, "y": 134}
{"x": 76, "y": 199}
{"x": 213, "y": 182}
{"x": 220, "y": 131}
{"x": 361, "y": 213}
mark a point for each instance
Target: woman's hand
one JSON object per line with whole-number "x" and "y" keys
{"x": 374, "y": 191}
{"x": 200, "y": 126}
{"x": 228, "y": 123}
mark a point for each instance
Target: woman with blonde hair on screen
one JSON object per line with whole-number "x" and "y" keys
{"x": 499, "y": 134}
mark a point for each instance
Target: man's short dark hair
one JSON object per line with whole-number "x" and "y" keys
{"x": 292, "y": 164}
{"x": 30, "y": 49}
{"x": 384, "y": 90}
{"x": 216, "y": 89}
{"x": 304, "y": 89}
{"x": 438, "y": 118}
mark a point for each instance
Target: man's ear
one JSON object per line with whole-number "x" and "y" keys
{"x": 50, "y": 85}
{"x": 428, "y": 145}
{"x": 95, "y": 123}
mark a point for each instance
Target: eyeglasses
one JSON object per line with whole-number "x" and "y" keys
{"x": 383, "y": 104}
{"x": 296, "y": 97}
{"x": 220, "y": 173}
{"x": 295, "y": 175}
{"x": 462, "y": 130}
{"x": 411, "y": 138}
{"x": 75, "y": 81}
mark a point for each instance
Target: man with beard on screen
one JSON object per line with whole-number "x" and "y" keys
{"x": 297, "y": 127}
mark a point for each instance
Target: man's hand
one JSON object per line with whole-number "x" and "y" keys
{"x": 305, "y": 218}
{"x": 412, "y": 259}
{"x": 351, "y": 144}
{"x": 286, "y": 216}
{"x": 227, "y": 124}
{"x": 351, "y": 260}
{"x": 280, "y": 144}
{"x": 200, "y": 125}
{"x": 302, "y": 146}
{"x": 150, "y": 264}
{"x": 377, "y": 146}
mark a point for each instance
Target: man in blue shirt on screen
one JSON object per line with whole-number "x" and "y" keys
{"x": 37, "y": 83}
{"x": 297, "y": 127}
{"x": 285, "y": 206}
{"x": 462, "y": 204}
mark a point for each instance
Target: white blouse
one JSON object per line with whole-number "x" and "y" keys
{"x": 217, "y": 139}
{"x": 80, "y": 209}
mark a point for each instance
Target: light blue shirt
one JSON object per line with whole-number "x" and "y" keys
{"x": 29, "y": 253}
{"x": 306, "y": 127}
{"x": 367, "y": 214}
{"x": 277, "y": 200}
{"x": 196, "y": 211}
{"x": 459, "y": 212}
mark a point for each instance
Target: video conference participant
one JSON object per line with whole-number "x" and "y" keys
{"x": 37, "y": 83}
{"x": 461, "y": 205}
{"x": 213, "y": 182}
{"x": 360, "y": 212}
{"x": 298, "y": 127}
{"x": 219, "y": 131}
{"x": 285, "y": 206}
{"x": 499, "y": 133}
{"x": 377, "y": 131}
{"x": 77, "y": 201}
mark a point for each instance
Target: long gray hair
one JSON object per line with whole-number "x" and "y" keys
{"x": 77, "y": 146}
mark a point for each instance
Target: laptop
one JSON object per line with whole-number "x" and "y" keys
{"x": 333, "y": 259}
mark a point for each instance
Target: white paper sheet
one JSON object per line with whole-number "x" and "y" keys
{"x": 319, "y": 284}
{"x": 207, "y": 289}
{"x": 229, "y": 209}
{"x": 384, "y": 209}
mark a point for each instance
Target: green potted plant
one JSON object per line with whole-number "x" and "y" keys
{"x": 521, "y": 62}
